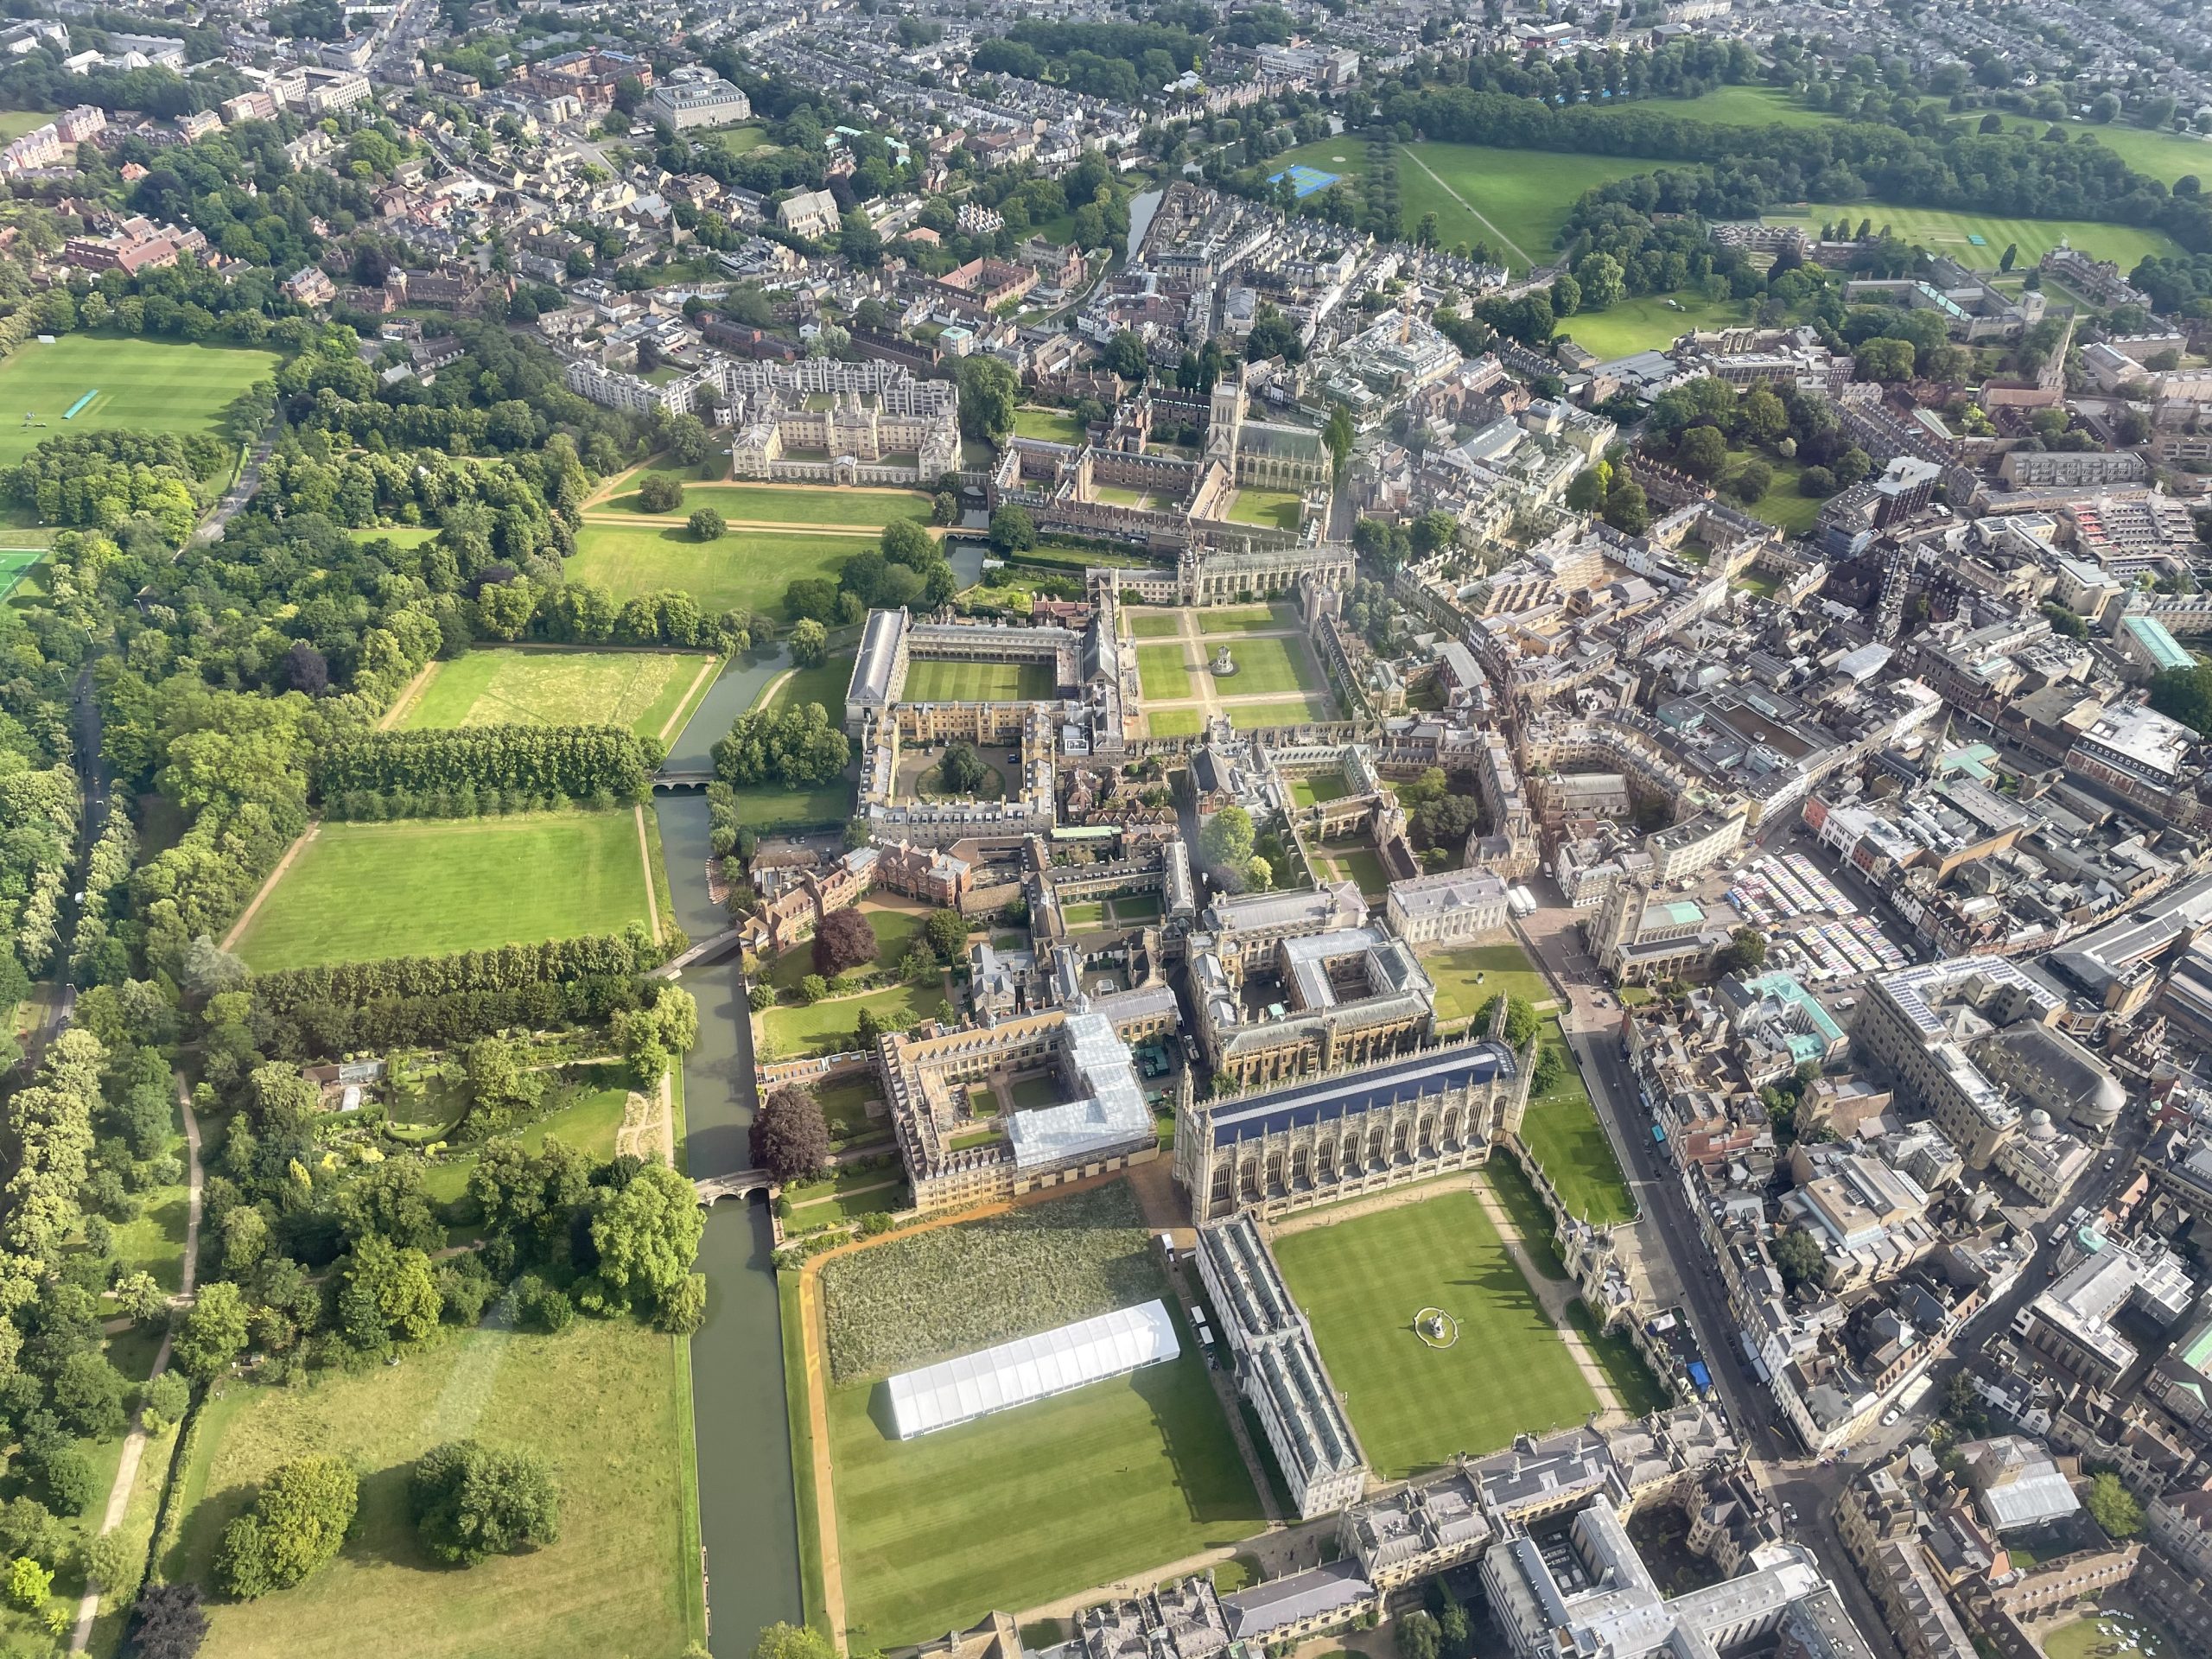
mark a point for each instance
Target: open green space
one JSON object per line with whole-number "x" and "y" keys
{"x": 14, "y": 123}
{"x": 1089, "y": 912}
{"x": 2164, "y": 155}
{"x": 156, "y": 385}
{"x": 1278, "y": 509}
{"x": 358, "y": 892}
{"x": 897, "y": 931}
{"x": 602, "y": 1402}
{"x": 844, "y": 1106}
{"x": 1278, "y": 711}
{"x": 790, "y": 504}
{"x": 1516, "y": 1195}
{"x": 2100, "y": 1633}
{"x": 1132, "y": 908}
{"x": 15, "y": 562}
{"x": 1784, "y": 506}
{"x": 1266, "y": 664}
{"x": 1175, "y": 722}
{"x": 1119, "y": 495}
{"x": 1733, "y": 107}
{"x": 1161, "y": 674}
{"x": 585, "y": 1106}
{"x": 744, "y": 567}
{"x": 1361, "y": 1281}
{"x": 1319, "y": 788}
{"x": 1363, "y": 865}
{"x": 522, "y": 686}
{"x": 1640, "y": 1392}
{"x": 1651, "y": 321}
{"x": 1561, "y": 1131}
{"x": 397, "y": 535}
{"x": 930, "y": 679}
{"x": 1053, "y": 425}
{"x": 1468, "y": 976}
{"x": 825, "y": 683}
{"x": 1155, "y": 624}
{"x": 831, "y": 1026}
{"x": 765, "y": 809}
{"x": 1247, "y": 619}
{"x": 1952, "y": 234}
{"x": 734, "y": 141}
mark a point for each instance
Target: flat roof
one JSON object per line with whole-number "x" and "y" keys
{"x": 1031, "y": 1368}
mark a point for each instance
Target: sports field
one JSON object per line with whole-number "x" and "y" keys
{"x": 788, "y": 504}
{"x": 745, "y": 568}
{"x": 1304, "y": 181}
{"x": 154, "y": 385}
{"x": 642, "y": 690}
{"x": 1733, "y": 106}
{"x": 361, "y": 891}
{"x": 1032, "y": 1504}
{"x": 1561, "y": 1129}
{"x": 13, "y": 562}
{"x": 1980, "y": 240}
{"x": 936, "y": 680}
{"x": 2164, "y": 155}
{"x": 1651, "y": 321}
{"x": 1361, "y": 1282}
{"x": 604, "y": 1402}
{"x": 1277, "y": 509}
{"x": 1160, "y": 671}
{"x": 1266, "y": 664}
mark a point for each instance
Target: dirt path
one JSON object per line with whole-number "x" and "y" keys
{"x": 683, "y": 710}
{"x": 1479, "y": 217}
{"x": 245, "y": 916}
{"x": 645, "y": 858}
{"x": 134, "y": 1444}
{"x": 783, "y": 526}
{"x": 407, "y": 698}
{"x": 614, "y": 483}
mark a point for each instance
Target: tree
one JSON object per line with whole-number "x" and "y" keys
{"x": 706, "y": 525}
{"x": 164, "y": 1401}
{"x": 1339, "y": 434}
{"x": 1600, "y": 278}
{"x": 1226, "y": 840}
{"x": 1013, "y": 531}
{"x": 1817, "y": 482}
{"x": 297, "y": 1524}
{"x": 809, "y": 642}
{"x": 1798, "y": 1258}
{"x": 781, "y": 1641}
{"x": 1566, "y": 296}
{"x": 2012, "y": 253}
{"x": 989, "y": 393}
{"x": 963, "y": 771}
{"x": 1745, "y": 953}
{"x": 844, "y": 940}
{"x": 168, "y": 1623}
{"x": 947, "y": 933}
{"x": 1626, "y": 509}
{"x": 1585, "y": 491}
{"x": 468, "y": 1501}
{"x": 2112, "y": 1507}
{"x": 28, "y": 1585}
{"x": 660, "y": 492}
{"x": 388, "y": 1293}
{"x": 214, "y": 1332}
{"x": 1702, "y": 452}
{"x": 789, "y": 1138}
{"x": 1418, "y": 1637}
{"x": 1883, "y": 359}
{"x": 69, "y": 1479}
{"x": 648, "y": 1233}
{"x": 1752, "y": 482}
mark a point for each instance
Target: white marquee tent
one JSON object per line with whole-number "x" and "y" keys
{"x": 1031, "y": 1367}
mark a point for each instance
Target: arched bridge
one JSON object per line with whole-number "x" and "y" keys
{"x": 708, "y": 949}
{"x": 682, "y": 780}
{"x": 738, "y": 1184}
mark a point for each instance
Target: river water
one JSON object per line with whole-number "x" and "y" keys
{"x": 747, "y": 1520}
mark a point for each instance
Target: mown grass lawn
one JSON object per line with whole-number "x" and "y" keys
{"x": 830, "y": 1026}
{"x": 1161, "y": 673}
{"x": 1175, "y": 722}
{"x": 1978, "y": 240}
{"x": 897, "y": 928}
{"x": 1051, "y": 425}
{"x": 1277, "y": 509}
{"x": 520, "y": 686}
{"x": 1468, "y": 976}
{"x": 935, "y": 680}
{"x": 1649, "y": 323}
{"x": 358, "y": 892}
{"x": 1155, "y": 625}
{"x": 1031, "y": 1503}
{"x": 743, "y": 568}
{"x": 1267, "y": 666}
{"x": 153, "y": 385}
{"x": 600, "y": 1402}
{"x": 789, "y": 504}
{"x": 1278, "y": 711}
{"x": 825, "y": 683}
{"x": 1247, "y": 618}
{"x": 1362, "y": 1282}
{"x": 1561, "y": 1130}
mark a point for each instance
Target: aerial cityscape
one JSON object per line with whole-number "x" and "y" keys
{"x": 1176, "y": 830}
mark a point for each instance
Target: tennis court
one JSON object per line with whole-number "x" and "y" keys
{"x": 14, "y": 562}
{"x": 1304, "y": 180}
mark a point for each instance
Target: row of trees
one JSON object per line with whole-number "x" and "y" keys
{"x": 503, "y": 968}
{"x": 577, "y": 763}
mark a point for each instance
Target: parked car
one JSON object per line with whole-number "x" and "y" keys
{"x": 1890, "y": 1417}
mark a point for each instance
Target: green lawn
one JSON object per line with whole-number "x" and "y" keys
{"x": 1161, "y": 674}
{"x": 362, "y": 891}
{"x": 1283, "y": 711}
{"x": 1364, "y": 866}
{"x": 1278, "y": 509}
{"x": 1321, "y": 787}
{"x": 1733, "y": 107}
{"x": 1268, "y": 664}
{"x": 15, "y": 562}
{"x": 157, "y": 385}
{"x": 1941, "y": 231}
{"x": 790, "y": 504}
{"x": 1119, "y": 495}
{"x": 937, "y": 680}
{"x": 744, "y": 567}
{"x": 844, "y": 1107}
{"x": 1468, "y": 976}
{"x": 642, "y": 690}
{"x": 1247, "y": 618}
{"x": 14, "y": 123}
{"x": 764, "y": 808}
{"x": 1362, "y": 1282}
{"x": 1155, "y": 624}
{"x": 589, "y": 1113}
{"x": 1053, "y": 425}
{"x": 734, "y": 141}
{"x": 1089, "y": 912}
{"x": 1132, "y": 908}
{"x": 825, "y": 683}
{"x": 1032, "y": 1503}
{"x": 896, "y": 932}
{"x": 1640, "y": 1392}
{"x": 828, "y": 1027}
{"x": 2164, "y": 155}
{"x": 1175, "y": 722}
{"x": 2081, "y": 1639}
{"x": 1784, "y": 506}
{"x": 1652, "y": 321}
{"x": 1560, "y": 1129}
{"x": 397, "y": 535}
{"x": 601, "y": 1402}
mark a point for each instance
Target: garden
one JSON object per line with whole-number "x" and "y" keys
{"x": 744, "y": 569}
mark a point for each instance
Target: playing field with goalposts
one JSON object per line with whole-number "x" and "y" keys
{"x": 155, "y": 385}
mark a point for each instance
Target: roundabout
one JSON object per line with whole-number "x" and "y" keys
{"x": 1436, "y": 1328}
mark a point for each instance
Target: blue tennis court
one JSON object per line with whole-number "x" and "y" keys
{"x": 1304, "y": 180}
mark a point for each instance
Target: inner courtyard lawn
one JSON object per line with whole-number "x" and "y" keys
{"x": 1468, "y": 976}
{"x": 1278, "y": 509}
{"x": 1053, "y": 425}
{"x": 1155, "y": 624}
{"x": 153, "y": 385}
{"x": 1032, "y": 1503}
{"x": 519, "y": 686}
{"x": 831, "y": 1026}
{"x": 744, "y": 568}
{"x": 358, "y": 892}
{"x": 1319, "y": 788}
{"x": 1413, "y": 1407}
{"x": 936, "y": 680}
{"x": 789, "y": 504}
{"x": 1160, "y": 672}
{"x": 1247, "y": 618}
{"x": 1266, "y": 665}
{"x": 601, "y": 1402}
{"x": 1175, "y": 722}
{"x": 1279, "y": 711}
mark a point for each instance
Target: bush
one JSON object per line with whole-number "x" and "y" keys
{"x": 168, "y": 1623}
{"x": 467, "y": 1502}
{"x": 706, "y": 525}
{"x": 660, "y": 492}
{"x": 164, "y": 1401}
{"x": 545, "y": 1305}
{"x": 297, "y": 1524}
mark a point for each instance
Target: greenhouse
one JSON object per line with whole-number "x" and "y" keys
{"x": 1014, "y": 1373}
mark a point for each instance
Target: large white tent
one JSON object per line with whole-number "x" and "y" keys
{"x": 1014, "y": 1373}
